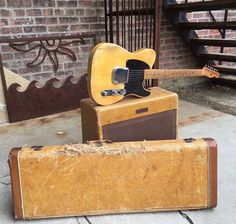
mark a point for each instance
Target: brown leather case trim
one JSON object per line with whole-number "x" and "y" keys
{"x": 212, "y": 158}
{"x": 89, "y": 122}
{"x": 15, "y": 183}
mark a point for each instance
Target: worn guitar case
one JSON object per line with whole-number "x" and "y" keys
{"x": 132, "y": 119}
{"x": 104, "y": 177}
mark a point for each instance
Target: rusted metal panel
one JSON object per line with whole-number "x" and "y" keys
{"x": 40, "y": 101}
{"x": 36, "y": 102}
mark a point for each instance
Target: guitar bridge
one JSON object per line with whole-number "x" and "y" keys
{"x": 113, "y": 92}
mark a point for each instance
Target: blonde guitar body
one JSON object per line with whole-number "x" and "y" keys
{"x": 115, "y": 72}
{"x": 104, "y": 58}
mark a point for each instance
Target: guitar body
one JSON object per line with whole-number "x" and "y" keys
{"x": 104, "y": 58}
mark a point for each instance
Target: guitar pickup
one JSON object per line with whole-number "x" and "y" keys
{"x": 113, "y": 92}
{"x": 120, "y": 75}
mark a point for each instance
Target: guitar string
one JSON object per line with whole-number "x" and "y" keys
{"x": 164, "y": 69}
{"x": 168, "y": 69}
{"x": 133, "y": 78}
{"x": 139, "y": 76}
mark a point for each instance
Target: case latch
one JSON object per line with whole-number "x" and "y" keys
{"x": 189, "y": 140}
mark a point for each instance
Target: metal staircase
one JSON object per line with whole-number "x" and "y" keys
{"x": 219, "y": 59}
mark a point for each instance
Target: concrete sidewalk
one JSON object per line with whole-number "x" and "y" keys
{"x": 194, "y": 120}
{"x": 217, "y": 97}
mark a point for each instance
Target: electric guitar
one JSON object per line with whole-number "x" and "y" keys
{"x": 114, "y": 72}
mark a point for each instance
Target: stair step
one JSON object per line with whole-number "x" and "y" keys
{"x": 228, "y": 75}
{"x": 226, "y": 70}
{"x": 219, "y": 57}
{"x": 214, "y": 42}
{"x": 208, "y": 25}
{"x": 202, "y": 6}
{"x": 225, "y": 80}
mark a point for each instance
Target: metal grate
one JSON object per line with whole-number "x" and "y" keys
{"x": 133, "y": 24}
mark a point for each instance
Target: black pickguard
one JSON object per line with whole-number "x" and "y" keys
{"x": 136, "y": 77}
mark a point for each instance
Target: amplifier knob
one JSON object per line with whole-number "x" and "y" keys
{"x": 122, "y": 92}
{"x": 114, "y": 92}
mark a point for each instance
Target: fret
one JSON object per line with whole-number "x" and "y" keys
{"x": 171, "y": 73}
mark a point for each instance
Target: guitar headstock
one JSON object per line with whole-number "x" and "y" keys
{"x": 210, "y": 72}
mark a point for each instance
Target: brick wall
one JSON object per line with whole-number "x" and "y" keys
{"x": 19, "y": 18}
{"x": 25, "y": 18}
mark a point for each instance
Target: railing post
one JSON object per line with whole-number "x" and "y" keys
{"x": 117, "y": 23}
{"x": 111, "y": 20}
{"x": 212, "y": 16}
{"x": 157, "y": 27}
{"x": 105, "y": 17}
{"x": 224, "y": 33}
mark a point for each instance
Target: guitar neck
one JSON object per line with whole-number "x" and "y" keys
{"x": 171, "y": 73}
